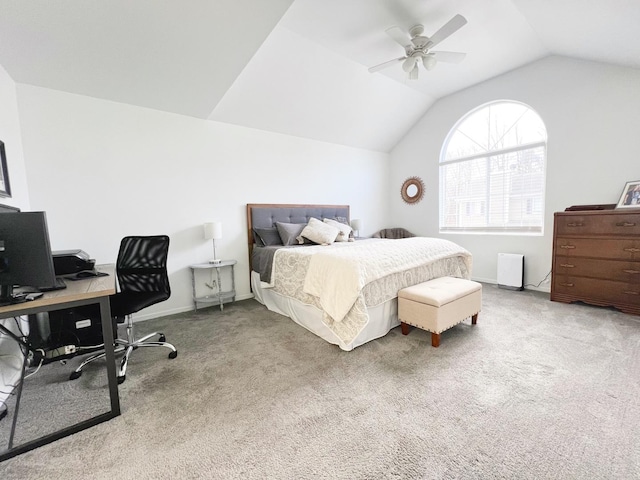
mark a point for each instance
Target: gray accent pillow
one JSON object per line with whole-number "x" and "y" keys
{"x": 289, "y": 232}
{"x": 267, "y": 236}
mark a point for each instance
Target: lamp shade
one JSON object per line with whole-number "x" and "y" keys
{"x": 356, "y": 224}
{"x": 213, "y": 230}
{"x": 429, "y": 62}
{"x": 409, "y": 63}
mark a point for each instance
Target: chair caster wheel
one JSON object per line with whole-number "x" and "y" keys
{"x": 162, "y": 338}
{"x": 74, "y": 375}
{"x": 173, "y": 354}
{"x": 121, "y": 379}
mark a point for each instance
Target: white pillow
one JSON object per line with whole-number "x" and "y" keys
{"x": 345, "y": 229}
{"x": 319, "y": 232}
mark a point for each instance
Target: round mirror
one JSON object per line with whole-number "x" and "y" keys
{"x": 412, "y": 190}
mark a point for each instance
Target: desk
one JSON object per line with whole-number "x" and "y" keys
{"x": 80, "y": 292}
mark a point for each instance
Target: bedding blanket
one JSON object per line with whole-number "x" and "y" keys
{"x": 344, "y": 279}
{"x": 337, "y": 277}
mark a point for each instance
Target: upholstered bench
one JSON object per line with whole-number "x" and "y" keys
{"x": 438, "y": 305}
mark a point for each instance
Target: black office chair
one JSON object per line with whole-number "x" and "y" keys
{"x": 141, "y": 270}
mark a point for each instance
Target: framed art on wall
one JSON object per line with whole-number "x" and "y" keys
{"x": 5, "y": 189}
{"x": 630, "y": 197}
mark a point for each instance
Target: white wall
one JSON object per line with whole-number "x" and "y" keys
{"x": 103, "y": 170}
{"x": 591, "y": 112}
{"x": 10, "y": 135}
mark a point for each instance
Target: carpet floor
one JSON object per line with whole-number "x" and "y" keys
{"x": 535, "y": 390}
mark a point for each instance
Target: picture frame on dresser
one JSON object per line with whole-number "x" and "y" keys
{"x": 630, "y": 197}
{"x": 5, "y": 188}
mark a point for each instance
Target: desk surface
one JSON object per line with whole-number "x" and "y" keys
{"x": 88, "y": 288}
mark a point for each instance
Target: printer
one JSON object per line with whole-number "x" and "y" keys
{"x": 67, "y": 262}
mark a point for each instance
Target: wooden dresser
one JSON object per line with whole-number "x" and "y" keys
{"x": 596, "y": 258}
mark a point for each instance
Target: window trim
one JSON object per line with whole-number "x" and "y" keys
{"x": 524, "y": 146}
{"x": 492, "y": 230}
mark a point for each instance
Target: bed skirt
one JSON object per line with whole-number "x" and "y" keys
{"x": 382, "y": 318}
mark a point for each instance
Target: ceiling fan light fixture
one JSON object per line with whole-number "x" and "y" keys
{"x": 409, "y": 63}
{"x": 429, "y": 61}
{"x": 417, "y": 47}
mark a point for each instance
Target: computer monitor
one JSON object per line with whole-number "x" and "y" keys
{"x": 8, "y": 208}
{"x": 25, "y": 253}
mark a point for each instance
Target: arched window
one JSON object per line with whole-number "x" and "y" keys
{"x": 492, "y": 171}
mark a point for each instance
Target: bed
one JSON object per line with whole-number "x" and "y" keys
{"x": 345, "y": 292}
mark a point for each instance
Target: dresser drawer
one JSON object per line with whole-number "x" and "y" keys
{"x": 613, "y": 224}
{"x": 616, "y": 249}
{"x": 605, "y": 291}
{"x": 617, "y": 270}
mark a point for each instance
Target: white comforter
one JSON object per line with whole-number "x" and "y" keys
{"x": 371, "y": 270}
{"x": 337, "y": 276}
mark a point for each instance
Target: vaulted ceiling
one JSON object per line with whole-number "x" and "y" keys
{"x": 298, "y": 67}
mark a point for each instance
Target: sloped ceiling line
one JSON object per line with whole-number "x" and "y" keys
{"x": 295, "y": 67}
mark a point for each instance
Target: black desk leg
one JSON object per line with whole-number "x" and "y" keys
{"x": 18, "y": 397}
{"x": 107, "y": 333}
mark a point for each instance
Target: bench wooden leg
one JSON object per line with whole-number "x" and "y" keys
{"x": 405, "y": 328}
{"x": 474, "y": 319}
{"x": 435, "y": 339}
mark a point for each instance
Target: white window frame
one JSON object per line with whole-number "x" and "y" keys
{"x": 536, "y": 230}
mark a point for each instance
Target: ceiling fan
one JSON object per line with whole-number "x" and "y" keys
{"x": 417, "y": 47}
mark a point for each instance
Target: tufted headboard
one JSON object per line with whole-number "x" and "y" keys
{"x": 265, "y": 215}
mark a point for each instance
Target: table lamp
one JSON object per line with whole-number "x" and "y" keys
{"x": 213, "y": 231}
{"x": 356, "y": 224}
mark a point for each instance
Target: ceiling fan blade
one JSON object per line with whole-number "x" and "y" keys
{"x": 447, "y": 29}
{"x": 377, "y": 68}
{"x": 399, "y": 36}
{"x": 449, "y": 57}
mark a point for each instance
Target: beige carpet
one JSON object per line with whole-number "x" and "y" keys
{"x": 536, "y": 390}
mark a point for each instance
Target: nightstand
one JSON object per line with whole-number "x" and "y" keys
{"x": 221, "y": 296}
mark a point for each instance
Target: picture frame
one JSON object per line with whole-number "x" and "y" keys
{"x": 5, "y": 187}
{"x": 630, "y": 197}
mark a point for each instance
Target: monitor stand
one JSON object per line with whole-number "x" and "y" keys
{"x": 7, "y": 297}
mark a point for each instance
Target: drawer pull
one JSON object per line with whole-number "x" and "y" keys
{"x": 633, "y": 272}
{"x": 625, "y": 224}
{"x": 628, "y": 292}
{"x": 568, "y": 265}
{"x": 575, "y": 224}
{"x": 566, "y": 284}
{"x": 567, "y": 246}
{"x": 632, "y": 250}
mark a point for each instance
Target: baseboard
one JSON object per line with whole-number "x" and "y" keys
{"x": 183, "y": 309}
{"x": 485, "y": 280}
{"x": 173, "y": 311}
{"x": 546, "y": 288}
